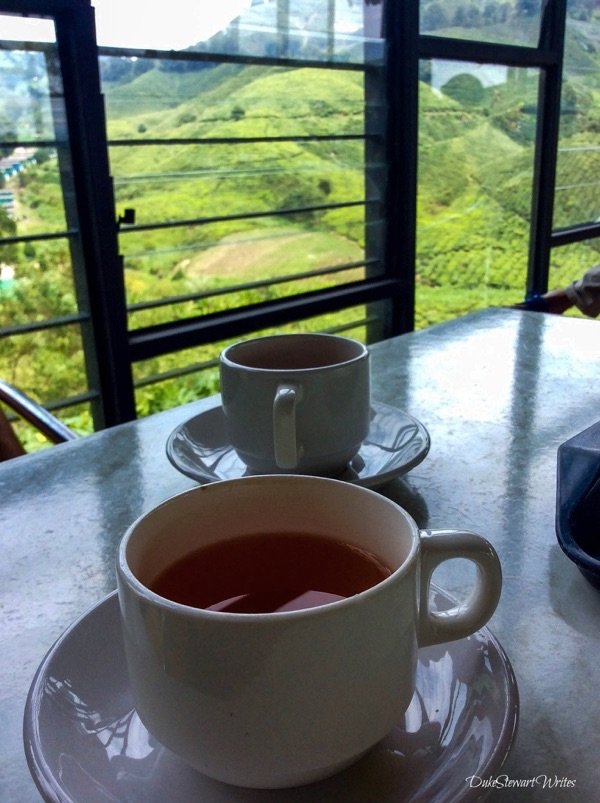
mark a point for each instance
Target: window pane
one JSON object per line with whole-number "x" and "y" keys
{"x": 25, "y": 110}
{"x": 40, "y": 251}
{"x": 248, "y": 181}
{"x": 269, "y": 167}
{"x": 515, "y": 23}
{"x": 235, "y": 179}
{"x": 36, "y": 282}
{"x": 152, "y": 100}
{"x": 331, "y": 30}
{"x": 474, "y": 189}
{"x": 40, "y": 206}
{"x": 247, "y": 291}
{"x": 32, "y": 112}
{"x": 274, "y": 260}
{"x": 577, "y": 196}
{"x": 47, "y": 364}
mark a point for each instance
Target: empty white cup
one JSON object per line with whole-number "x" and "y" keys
{"x": 296, "y": 403}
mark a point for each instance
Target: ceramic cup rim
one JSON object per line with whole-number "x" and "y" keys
{"x": 227, "y": 356}
{"x": 141, "y": 590}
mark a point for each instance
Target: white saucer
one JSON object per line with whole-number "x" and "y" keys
{"x": 84, "y": 741}
{"x": 396, "y": 443}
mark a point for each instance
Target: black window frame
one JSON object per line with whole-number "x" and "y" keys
{"x": 112, "y": 349}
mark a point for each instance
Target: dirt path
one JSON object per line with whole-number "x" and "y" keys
{"x": 272, "y": 252}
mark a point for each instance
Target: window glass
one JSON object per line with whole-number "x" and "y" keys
{"x": 30, "y": 29}
{"x": 569, "y": 262}
{"x": 502, "y": 21}
{"x": 48, "y": 364}
{"x": 148, "y": 99}
{"x": 36, "y": 282}
{"x": 331, "y": 30}
{"x": 270, "y": 168}
{"x": 237, "y": 270}
{"x": 476, "y": 140}
{"x": 35, "y": 179}
{"x": 38, "y": 219}
{"x": 577, "y": 196}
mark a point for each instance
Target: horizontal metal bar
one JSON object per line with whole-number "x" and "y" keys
{"x": 575, "y": 234}
{"x": 236, "y": 288}
{"x": 125, "y": 143}
{"x": 245, "y": 238}
{"x": 32, "y": 143}
{"x": 40, "y": 326}
{"x": 72, "y": 401}
{"x": 32, "y": 238}
{"x": 442, "y": 47}
{"x": 579, "y": 149}
{"x": 31, "y": 47}
{"x": 40, "y": 7}
{"x": 576, "y": 185}
{"x": 177, "y": 335}
{"x": 278, "y": 168}
{"x": 203, "y": 221}
{"x": 231, "y": 58}
{"x": 186, "y": 370}
{"x": 175, "y": 373}
{"x": 344, "y": 327}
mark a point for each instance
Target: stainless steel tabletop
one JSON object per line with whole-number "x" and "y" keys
{"x": 498, "y": 391}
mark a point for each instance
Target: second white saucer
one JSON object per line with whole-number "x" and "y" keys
{"x": 396, "y": 443}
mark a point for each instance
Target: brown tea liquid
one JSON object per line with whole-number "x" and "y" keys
{"x": 268, "y": 573}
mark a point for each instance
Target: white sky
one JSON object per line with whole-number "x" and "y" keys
{"x": 175, "y": 24}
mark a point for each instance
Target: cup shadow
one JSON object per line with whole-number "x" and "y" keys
{"x": 400, "y": 490}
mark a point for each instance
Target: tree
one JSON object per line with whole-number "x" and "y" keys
{"x": 464, "y": 88}
{"x": 527, "y": 8}
{"x": 434, "y": 17}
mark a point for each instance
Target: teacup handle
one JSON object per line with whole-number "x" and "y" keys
{"x": 465, "y": 618}
{"x": 284, "y": 425}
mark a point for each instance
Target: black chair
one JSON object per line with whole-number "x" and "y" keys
{"x": 29, "y": 410}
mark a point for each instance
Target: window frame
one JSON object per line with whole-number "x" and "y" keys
{"x": 111, "y": 348}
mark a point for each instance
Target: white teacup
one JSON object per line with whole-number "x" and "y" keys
{"x": 297, "y": 402}
{"x": 285, "y": 698}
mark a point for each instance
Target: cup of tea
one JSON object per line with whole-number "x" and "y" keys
{"x": 271, "y": 623}
{"x": 296, "y": 402}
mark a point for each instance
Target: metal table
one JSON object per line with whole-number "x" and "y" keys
{"x": 498, "y": 390}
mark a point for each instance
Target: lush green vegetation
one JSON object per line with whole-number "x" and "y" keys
{"x": 475, "y": 175}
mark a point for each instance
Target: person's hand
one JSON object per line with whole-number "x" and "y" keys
{"x": 557, "y": 301}
{"x": 554, "y": 301}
